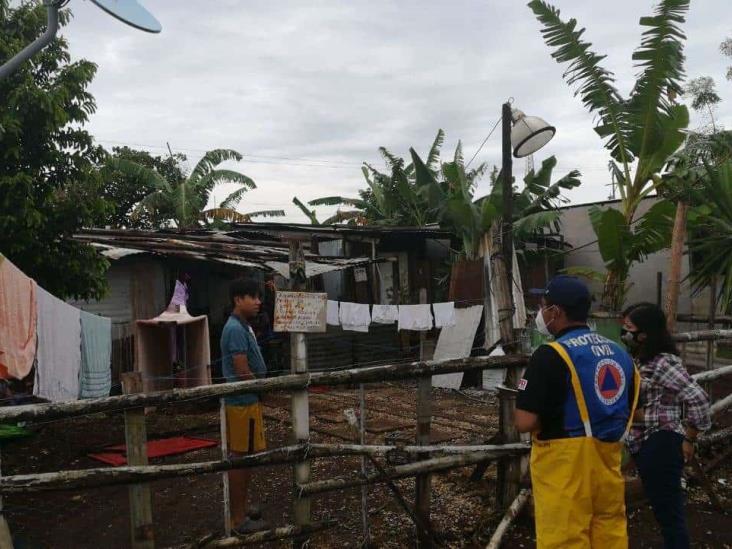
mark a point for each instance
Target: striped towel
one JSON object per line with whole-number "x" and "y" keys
{"x": 96, "y": 352}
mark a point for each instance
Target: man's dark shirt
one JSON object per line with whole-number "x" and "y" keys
{"x": 545, "y": 385}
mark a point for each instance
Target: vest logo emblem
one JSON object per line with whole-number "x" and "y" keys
{"x": 609, "y": 381}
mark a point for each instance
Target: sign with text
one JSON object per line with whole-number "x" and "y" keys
{"x": 300, "y": 312}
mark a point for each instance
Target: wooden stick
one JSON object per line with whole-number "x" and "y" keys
{"x": 702, "y": 335}
{"x": 283, "y": 532}
{"x": 721, "y": 405}
{"x": 104, "y": 476}
{"x": 374, "y": 374}
{"x": 404, "y": 471}
{"x": 225, "y": 476}
{"x": 141, "y": 520}
{"x": 713, "y": 374}
{"x": 423, "y": 482}
{"x": 512, "y": 512}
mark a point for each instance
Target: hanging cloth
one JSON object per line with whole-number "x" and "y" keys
{"x": 415, "y": 317}
{"x": 96, "y": 355}
{"x": 385, "y": 314}
{"x": 18, "y": 317}
{"x": 331, "y": 315}
{"x": 59, "y": 349}
{"x": 444, "y": 314}
{"x": 355, "y": 317}
{"x": 579, "y": 491}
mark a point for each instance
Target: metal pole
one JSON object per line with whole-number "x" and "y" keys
{"x": 37, "y": 45}
{"x": 507, "y": 182}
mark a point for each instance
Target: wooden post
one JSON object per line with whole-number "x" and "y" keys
{"x": 712, "y": 318}
{"x": 423, "y": 482}
{"x": 674, "y": 271}
{"x": 659, "y": 289}
{"x": 6, "y": 540}
{"x": 225, "y": 476}
{"x": 141, "y": 522}
{"x": 300, "y": 405}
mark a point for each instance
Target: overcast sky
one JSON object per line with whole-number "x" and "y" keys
{"x": 310, "y": 90}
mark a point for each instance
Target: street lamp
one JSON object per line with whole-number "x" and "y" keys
{"x": 127, "y": 11}
{"x": 521, "y": 136}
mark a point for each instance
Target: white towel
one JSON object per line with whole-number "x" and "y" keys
{"x": 59, "y": 349}
{"x": 444, "y": 314}
{"x": 415, "y": 317}
{"x": 385, "y": 314}
{"x": 355, "y": 317}
{"x": 332, "y": 318}
{"x": 96, "y": 355}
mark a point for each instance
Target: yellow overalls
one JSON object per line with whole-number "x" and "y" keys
{"x": 579, "y": 491}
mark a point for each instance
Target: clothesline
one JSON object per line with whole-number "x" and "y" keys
{"x": 357, "y": 317}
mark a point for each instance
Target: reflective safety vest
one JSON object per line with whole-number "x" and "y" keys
{"x": 605, "y": 373}
{"x": 579, "y": 491}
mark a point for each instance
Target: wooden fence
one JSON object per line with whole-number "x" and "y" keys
{"x": 425, "y": 458}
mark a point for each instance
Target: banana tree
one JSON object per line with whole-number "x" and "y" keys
{"x": 641, "y": 131}
{"x": 183, "y": 201}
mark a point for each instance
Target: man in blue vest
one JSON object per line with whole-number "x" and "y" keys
{"x": 576, "y": 398}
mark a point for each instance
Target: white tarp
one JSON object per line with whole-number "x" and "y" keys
{"x": 457, "y": 342}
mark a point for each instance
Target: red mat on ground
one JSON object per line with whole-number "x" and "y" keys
{"x": 116, "y": 455}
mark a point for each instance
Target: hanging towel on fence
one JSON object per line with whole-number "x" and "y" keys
{"x": 331, "y": 315}
{"x": 59, "y": 349}
{"x": 18, "y": 316}
{"x": 444, "y": 314}
{"x": 385, "y": 314}
{"x": 355, "y": 317}
{"x": 96, "y": 355}
{"x": 457, "y": 342}
{"x": 415, "y": 317}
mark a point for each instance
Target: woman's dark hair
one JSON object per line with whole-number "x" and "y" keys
{"x": 651, "y": 320}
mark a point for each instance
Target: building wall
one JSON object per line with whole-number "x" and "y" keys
{"x": 578, "y": 233}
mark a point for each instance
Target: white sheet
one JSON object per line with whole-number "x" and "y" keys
{"x": 385, "y": 314}
{"x": 415, "y": 317}
{"x": 331, "y": 315}
{"x": 355, "y": 317}
{"x": 457, "y": 342}
{"x": 59, "y": 349}
{"x": 444, "y": 314}
{"x": 493, "y": 378}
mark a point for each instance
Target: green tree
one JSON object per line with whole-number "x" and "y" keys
{"x": 49, "y": 184}
{"x": 125, "y": 191}
{"x": 641, "y": 131}
{"x": 726, "y": 48}
{"x": 182, "y": 201}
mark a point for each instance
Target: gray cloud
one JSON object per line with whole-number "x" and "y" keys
{"x": 333, "y": 81}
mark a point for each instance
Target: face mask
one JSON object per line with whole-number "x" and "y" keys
{"x": 541, "y": 326}
{"x": 630, "y": 338}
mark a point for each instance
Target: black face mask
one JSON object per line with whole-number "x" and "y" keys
{"x": 630, "y": 338}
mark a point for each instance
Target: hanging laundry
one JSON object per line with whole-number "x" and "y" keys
{"x": 18, "y": 317}
{"x": 96, "y": 356}
{"x": 59, "y": 349}
{"x": 444, "y": 314}
{"x": 331, "y": 314}
{"x": 415, "y": 317}
{"x": 355, "y": 317}
{"x": 385, "y": 314}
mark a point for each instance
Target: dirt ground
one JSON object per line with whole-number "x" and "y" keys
{"x": 187, "y": 509}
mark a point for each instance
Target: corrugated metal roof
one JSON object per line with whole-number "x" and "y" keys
{"x": 225, "y": 247}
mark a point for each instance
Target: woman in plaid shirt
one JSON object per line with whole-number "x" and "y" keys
{"x": 673, "y": 409}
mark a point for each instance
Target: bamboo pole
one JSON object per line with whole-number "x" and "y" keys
{"x": 423, "y": 482}
{"x": 702, "y": 335}
{"x": 284, "y": 532}
{"x": 512, "y": 512}
{"x": 374, "y": 374}
{"x": 224, "y": 456}
{"x": 405, "y": 471}
{"x": 104, "y": 476}
{"x": 711, "y": 375}
{"x": 721, "y": 405}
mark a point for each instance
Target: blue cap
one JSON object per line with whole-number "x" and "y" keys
{"x": 566, "y": 290}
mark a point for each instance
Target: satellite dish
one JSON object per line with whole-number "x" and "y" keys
{"x": 130, "y": 12}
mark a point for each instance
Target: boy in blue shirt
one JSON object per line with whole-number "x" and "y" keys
{"x": 241, "y": 359}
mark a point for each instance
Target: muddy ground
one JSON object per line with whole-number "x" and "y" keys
{"x": 187, "y": 509}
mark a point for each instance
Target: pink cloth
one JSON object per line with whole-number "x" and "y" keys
{"x": 18, "y": 318}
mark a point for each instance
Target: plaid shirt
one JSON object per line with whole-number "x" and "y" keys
{"x": 666, "y": 389}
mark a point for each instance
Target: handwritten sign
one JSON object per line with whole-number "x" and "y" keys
{"x": 300, "y": 312}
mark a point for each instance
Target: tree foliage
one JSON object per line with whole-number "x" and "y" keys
{"x": 49, "y": 183}
{"x": 642, "y": 130}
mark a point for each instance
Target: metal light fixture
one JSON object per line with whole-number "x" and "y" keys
{"x": 529, "y": 133}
